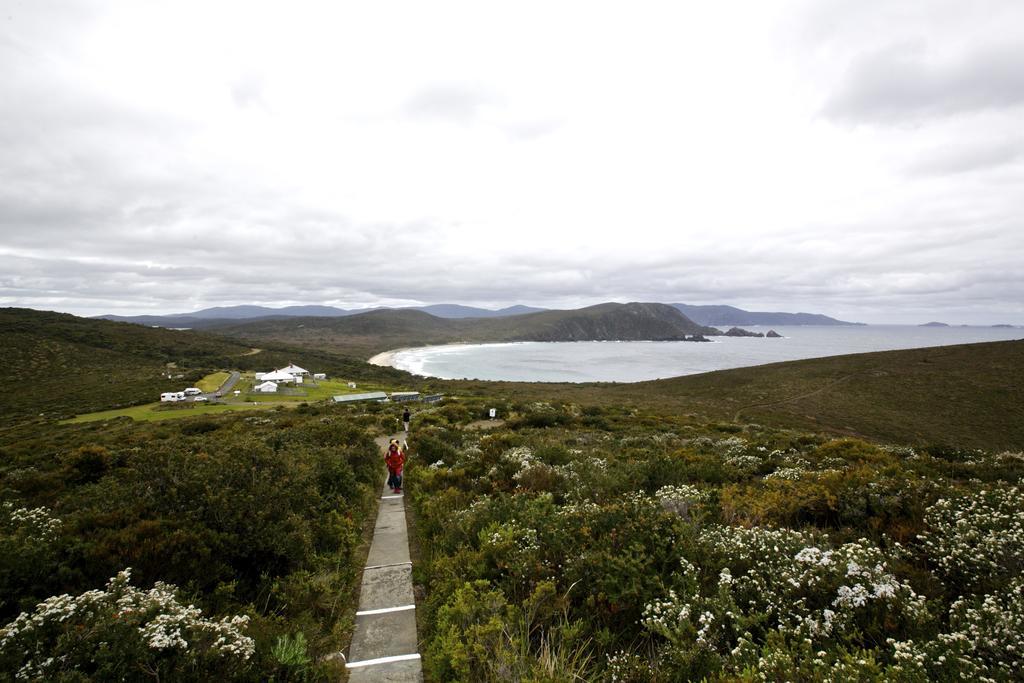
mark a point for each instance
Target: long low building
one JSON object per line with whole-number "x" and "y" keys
{"x": 369, "y": 396}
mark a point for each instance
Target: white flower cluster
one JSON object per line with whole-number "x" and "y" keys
{"x": 906, "y": 452}
{"x": 35, "y": 523}
{"x": 681, "y": 492}
{"x": 520, "y": 456}
{"x": 681, "y": 499}
{"x": 160, "y": 620}
{"x": 520, "y": 538}
{"x": 985, "y": 641}
{"x": 583, "y": 508}
{"x": 803, "y": 589}
{"x": 975, "y": 537}
{"x": 436, "y": 465}
{"x": 732, "y": 446}
{"x": 745, "y": 463}
{"x": 833, "y": 465}
{"x": 787, "y": 474}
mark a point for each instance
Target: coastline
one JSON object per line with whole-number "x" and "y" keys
{"x": 386, "y": 358}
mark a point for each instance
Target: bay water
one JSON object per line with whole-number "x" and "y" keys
{"x": 639, "y": 361}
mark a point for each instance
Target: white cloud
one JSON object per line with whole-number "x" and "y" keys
{"x": 164, "y": 157}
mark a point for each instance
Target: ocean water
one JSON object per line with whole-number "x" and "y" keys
{"x": 639, "y": 361}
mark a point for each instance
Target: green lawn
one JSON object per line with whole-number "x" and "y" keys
{"x": 212, "y": 382}
{"x": 322, "y": 391}
{"x": 247, "y": 400}
{"x": 149, "y": 412}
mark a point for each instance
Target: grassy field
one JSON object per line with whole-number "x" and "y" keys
{"x": 152, "y": 412}
{"x": 212, "y": 382}
{"x": 321, "y": 390}
{"x": 247, "y": 400}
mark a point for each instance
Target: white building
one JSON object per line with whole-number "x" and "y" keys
{"x": 278, "y": 376}
{"x": 266, "y": 388}
{"x": 169, "y": 397}
{"x": 294, "y": 369}
{"x": 319, "y": 375}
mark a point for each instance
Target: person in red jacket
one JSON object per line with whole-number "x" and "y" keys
{"x": 395, "y": 461}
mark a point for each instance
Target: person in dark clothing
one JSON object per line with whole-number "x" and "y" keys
{"x": 406, "y": 416}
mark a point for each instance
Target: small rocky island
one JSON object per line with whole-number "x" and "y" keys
{"x": 740, "y": 332}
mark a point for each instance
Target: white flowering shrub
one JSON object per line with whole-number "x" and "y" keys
{"x": 744, "y": 463}
{"x": 120, "y": 631}
{"x": 984, "y": 641}
{"x": 732, "y": 446}
{"x": 36, "y": 524}
{"x": 681, "y": 499}
{"x": 513, "y": 548}
{"x": 976, "y": 539}
{"x": 787, "y": 473}
{"x": 29, "y": 546}
{"x": 520, "y": 456}
{"x": 781, "y": 581}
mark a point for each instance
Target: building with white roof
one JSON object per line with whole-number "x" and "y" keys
{"x": 266, "y": 388}
{"x": 278, "y": 376}
{"x": 294, "y": 369}
{"x": 379, "y": 396}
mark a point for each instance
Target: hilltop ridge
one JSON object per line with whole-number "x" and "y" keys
{"x": 380, "y": 330}
{"x": 712, "y": 315}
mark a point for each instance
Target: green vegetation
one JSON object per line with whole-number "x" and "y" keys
{"x": 368, "y": 333}
{"x": 323, "y": 390}
{"x": 256, "y": 521}
{"x": 161, "y": 411}
{"x": 856, "y": 517}
{"x": 970, "y": 395}
{"x": 212, "y": 382}
{"x": 606, "y": 544}
{"x": 63, "y": 365}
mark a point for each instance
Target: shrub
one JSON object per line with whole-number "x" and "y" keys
{"x": 122, "y": 633}
{"x": 975, "y": 541}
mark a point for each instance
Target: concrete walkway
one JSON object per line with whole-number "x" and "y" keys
{"x": 384, "y": 643}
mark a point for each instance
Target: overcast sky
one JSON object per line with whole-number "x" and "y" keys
{"x": 860, "y": 159}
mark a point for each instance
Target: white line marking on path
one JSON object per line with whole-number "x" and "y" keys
{"x": 382, "y": 660}
{"x": 387, "y": 497}
{"x": 381, "y": 566}
{"x": 384, "y": 610}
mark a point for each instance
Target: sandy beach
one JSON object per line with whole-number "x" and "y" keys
{"x": 385, "y": 358}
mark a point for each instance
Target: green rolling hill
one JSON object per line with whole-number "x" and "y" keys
{"x": 59, "y": 365}
{"x": 369, "y": 333}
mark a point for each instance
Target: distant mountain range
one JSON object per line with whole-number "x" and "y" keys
{"x": 211, "y": 317}
{"x": 724, "y": 316}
